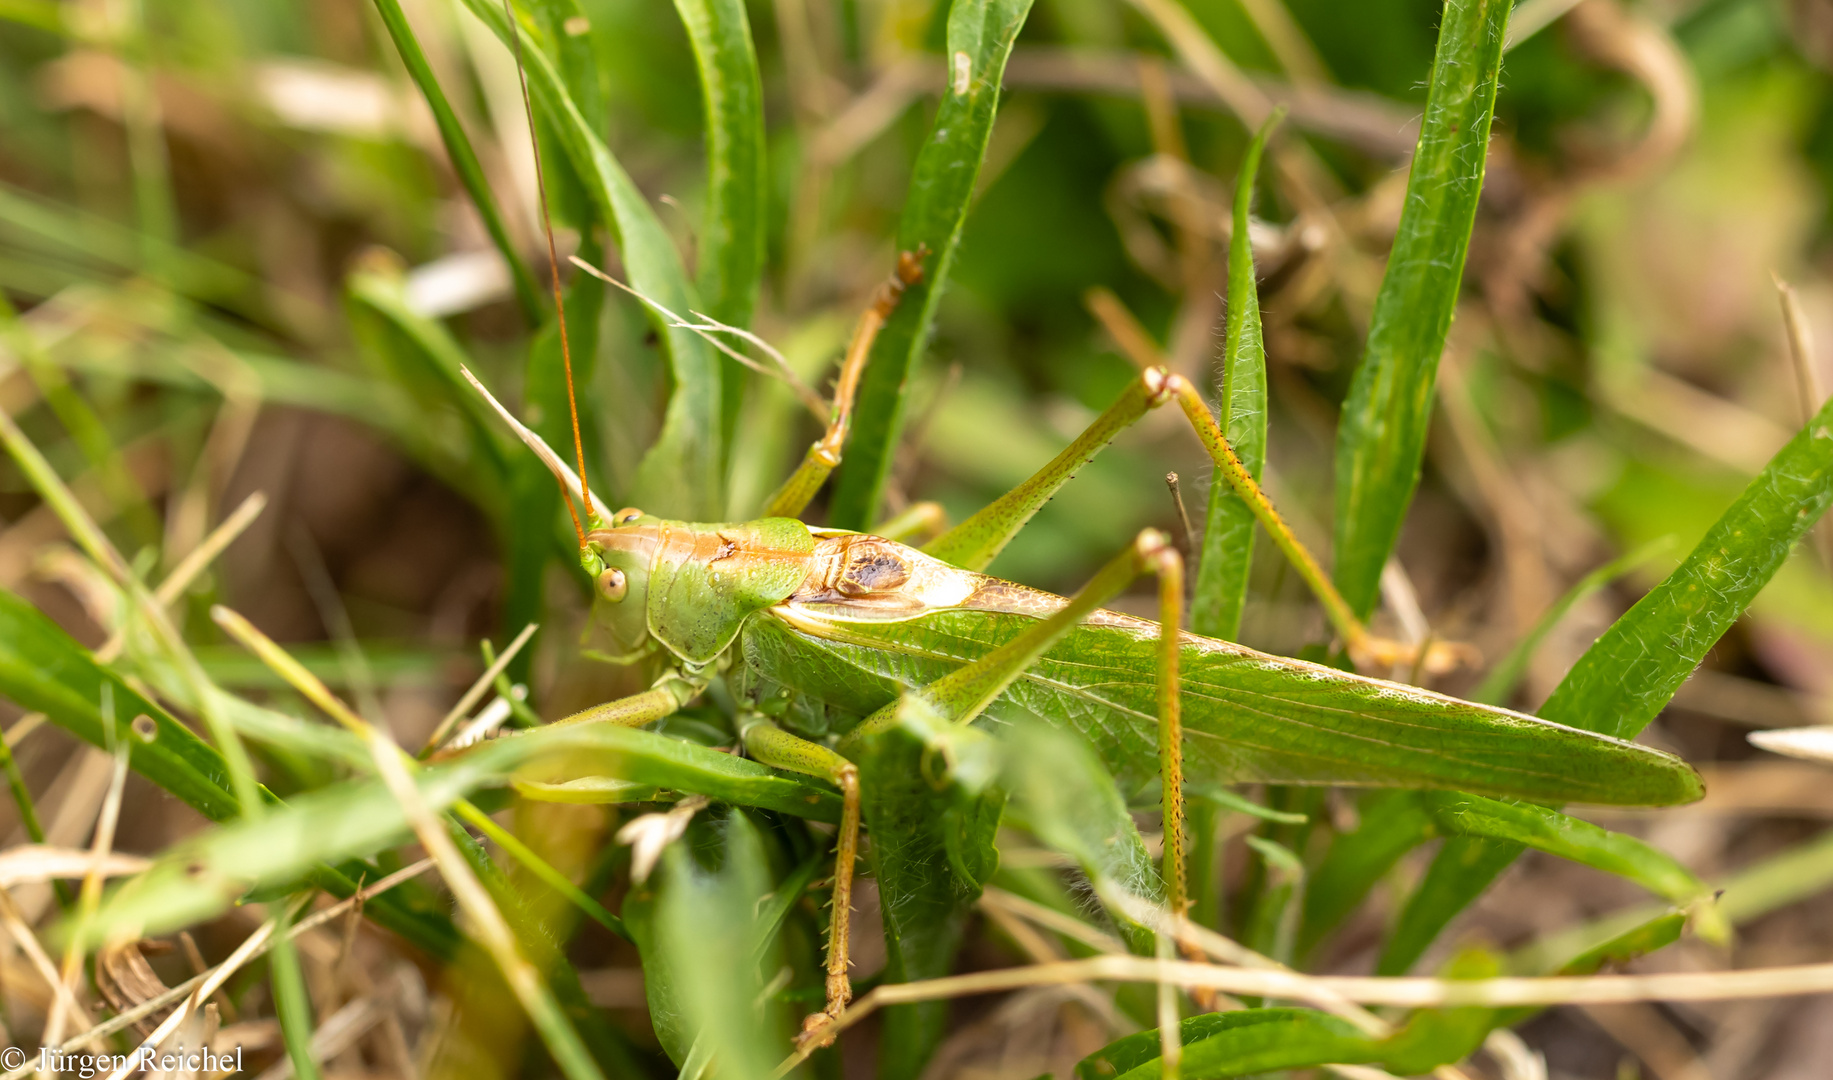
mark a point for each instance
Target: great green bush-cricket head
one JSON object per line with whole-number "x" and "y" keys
{"x": 690, "y": 586}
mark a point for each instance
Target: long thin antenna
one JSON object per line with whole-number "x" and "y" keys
{"x": 553, "y": 264}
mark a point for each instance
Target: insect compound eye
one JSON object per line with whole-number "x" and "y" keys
{"x": 612, "y": 585}
{"x": 625, "y": 516}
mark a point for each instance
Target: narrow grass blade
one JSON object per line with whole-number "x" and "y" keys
{"x": 203, "y": 876}
{"x": 1569, "y": 838}
{"x": 1657, "y": 933}
{"x": 1462, "y": 869}
{"x": 1228, "y": 535}
{"x": 485, "y": 922}
{"x": 731, "y": 240}
{"x": 1382, "y": 434}
{"x": 43, "y": 669}
{"x": 681, "y": 474}
{"x": 1502, "y": 678}
{"x": 291, "y": 1003}
{"x": 1631, "y": 672}
{"x": 420, "y": 355}
{"x": 463, "y": 158}
{"x": 980, "y": 36}
{"x": 1393, "y": 823}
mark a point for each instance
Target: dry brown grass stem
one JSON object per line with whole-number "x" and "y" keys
{"x": 101, "y": 847}
{"x": 487, "y": 924}
{"x": 191, "y": 565}
{"x": 41, "y": 963}
{"x": 476, "y": 691}
{"x": 1794, "y": 980}
{"x": 252, "y": 946}
{"x": 1809, "y": 393}
{"x": 150, "y": 1006}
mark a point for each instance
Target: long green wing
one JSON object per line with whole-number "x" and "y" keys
{"x": 1248, "y": 716}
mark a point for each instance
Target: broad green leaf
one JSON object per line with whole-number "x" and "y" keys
{"x": 1067, "y": 798}
{"x": 923, "y": 843}
{"x": 1382, "y": 433}
{"x": 665, "y": 1015}
{"x": 681, "y": 475}
{"x": 461, "y": 155}
{"x": 731, "y": 238}
{"x": 1631, "y": 672}
{"x": 709, "y": 938}
{"x": 1228, "y": 535}
{"x": 1223, "y": 1044}
{"x": 980, "y": 36}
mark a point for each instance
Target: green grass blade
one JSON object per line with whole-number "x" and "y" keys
{"x": 1462, "y": 869}
{"x": 1657, "y": 933}
{"x": 730, "y": 247}
{"x": 463, "y": 158}
{"x": 647, "y": 758}
{"x": 421, "y": 356}
{"x": 291, "y": 1003}
{"x": 1229, "y": 1044}
{"x": 681, "y": 475}
{"x": 1393, "y": 823}
{"x": 43, "y": 669}
{"x": 1569, "y": 838}
{"x": 1382, "y": 434}
{"x": 202, "y": 877}
{"x": 1631, "y": 672}
{"x": 1503, "y": 677}
{"x": 1228, "y": 535}
{"x": 731, "y": 241}
{"x": 980, "y": 36}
